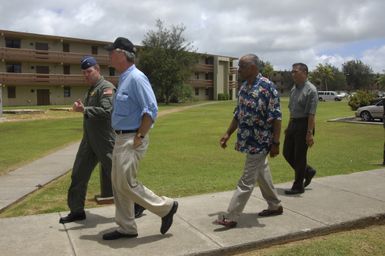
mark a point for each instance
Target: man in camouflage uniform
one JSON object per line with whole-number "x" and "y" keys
{"x": 97, "y": 142}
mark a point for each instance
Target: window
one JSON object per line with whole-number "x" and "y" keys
{"x": 12, "y": 43}
{"x": 196, "y": 91}
{"x": 67, "y": 91}
{"x": 13, "y": 67}
{"x": 207, "y": 91}
{"x": 94, "y": 50}
{"x": 112, "y": 71}
{"x": 66, "y": 69}
{"x": 196, "y": 75}
{"x": 42, "y": 69}
{"x": 209, "y": 60}
{"x": 11, "y": 92}
{"x": 66, "y": 47}
{"x": 41, "y": 46}
{"x": 209, "y": 76}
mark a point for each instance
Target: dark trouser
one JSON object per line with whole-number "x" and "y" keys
{"x": 295, "y": 150}
{"x": 86, "y": 159}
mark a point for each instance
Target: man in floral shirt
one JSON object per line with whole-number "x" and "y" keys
{"x": 258, "y": 120}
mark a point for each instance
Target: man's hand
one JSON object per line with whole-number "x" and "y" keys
{"x": 137, "y": 141}
{"x": 274, "y": 151}
{"x": 78, "y": 106}
{"x": 223, "y": 140}
{"x": 309, "y": 139}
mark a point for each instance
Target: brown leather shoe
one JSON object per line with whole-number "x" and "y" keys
{"x": 226, "y": 222}
{"x": 268, "y": 212}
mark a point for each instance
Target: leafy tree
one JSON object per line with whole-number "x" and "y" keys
{"x": 380, "y": 80}
{"x": 168, "y": 60}
{"x": 358, "y": 75}
{"x": 267, "y": 69}
{"x": 328, "y": 77}
{"x": 323, "y": 75}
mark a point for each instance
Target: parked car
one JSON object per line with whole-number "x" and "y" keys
{"x": 329, "y": 95}
{"x": 375, "y": 111}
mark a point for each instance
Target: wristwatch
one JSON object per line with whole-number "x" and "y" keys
{"x": 139, "y": 135}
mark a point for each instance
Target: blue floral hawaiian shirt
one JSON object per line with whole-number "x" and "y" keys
{"x": 256, "y": 110}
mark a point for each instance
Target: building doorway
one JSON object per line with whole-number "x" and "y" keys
{"x": 42, "y": 97}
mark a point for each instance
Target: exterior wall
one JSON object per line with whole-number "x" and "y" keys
{"x": 221, "y": 75}
{"x": 202, "y": 94}
{"x": 27, "y": 95}
{"x": 211, "y": 76}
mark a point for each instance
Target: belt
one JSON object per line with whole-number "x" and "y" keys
{"x": 125, "y": 131}
{"x": 301, "y": 119}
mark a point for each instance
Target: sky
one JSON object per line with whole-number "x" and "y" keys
{"x": 281, "y": 32}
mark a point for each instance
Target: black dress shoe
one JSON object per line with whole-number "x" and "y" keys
{"x": 139, "y": 210}
{"x": 73, "y": 216}
{"x": 268, "y": 212}
{"x": 294, "y": 191}
{"x": 167, "y": 220}
{"x": 310, "y": 174}
{"x": 116, "y": 235}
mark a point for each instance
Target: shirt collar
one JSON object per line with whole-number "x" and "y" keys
{"x": 127, "y": 71}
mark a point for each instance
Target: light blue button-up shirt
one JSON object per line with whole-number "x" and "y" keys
{"x": 134, "y": 97}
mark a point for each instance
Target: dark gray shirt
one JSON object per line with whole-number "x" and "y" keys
{"x": 303, "y": 100}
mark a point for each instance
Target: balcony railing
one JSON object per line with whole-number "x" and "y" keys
{"x": 47, "y": 79}
{"x": 233, "y": 70}
{"x": 233, "y": 84}
{"x": 18, "y": 54}
{"x": 201, "y": 83}
{"x": 204, "y": 68}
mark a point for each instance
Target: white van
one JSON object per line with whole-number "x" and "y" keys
{"x": 329, "y": 95}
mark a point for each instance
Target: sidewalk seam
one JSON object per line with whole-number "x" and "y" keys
{"x": 69, "y": 238}
{"x": 200, "y": 232}
{"x": 351, "y": 192}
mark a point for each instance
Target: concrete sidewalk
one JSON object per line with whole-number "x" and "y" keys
{"x": 17, "y": 184}
{"x": 329, "y": 203}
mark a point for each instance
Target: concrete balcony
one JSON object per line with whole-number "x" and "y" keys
{"x": 233, "y": 84}
{"x": 31, "y": 55}
{"x": 47, "y": 79}
{"x": 200, "y": 83}
{"x": 204, "y": 68}
{"x": 233, "y": 71}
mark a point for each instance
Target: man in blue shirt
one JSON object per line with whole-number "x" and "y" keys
{"x": 135, "y": 110}
{"x": 257, "y": 118}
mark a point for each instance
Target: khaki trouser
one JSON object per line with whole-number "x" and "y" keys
{"x": 127, "y": 190}
{"x": 256, "y": 170}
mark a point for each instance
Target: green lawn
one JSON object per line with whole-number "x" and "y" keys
{"x": 368, "y": 241}
{"x": 184, "y": 157}
{"x": 23, "y": 141}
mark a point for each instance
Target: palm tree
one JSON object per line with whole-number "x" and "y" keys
{"x": 324, "y": 73}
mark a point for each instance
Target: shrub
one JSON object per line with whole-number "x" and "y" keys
{"x": 223, "y": 96}
{"x": 360, "y": 99}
